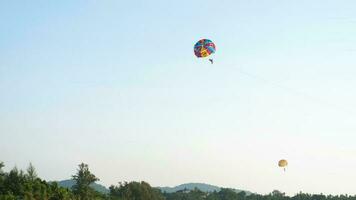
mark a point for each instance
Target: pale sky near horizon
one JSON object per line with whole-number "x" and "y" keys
{"x": 115, "y": 84}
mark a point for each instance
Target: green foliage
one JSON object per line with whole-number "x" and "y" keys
{"x": 97, "y": 187}
{"x": 59, "y": 193}
{"x": 83, "y": 179}
{"x": 17, "y": 185}
{"x": 2, "y": 178}
{"x": 230, "y": 194}
{"x": 134, "y": 190}
{"x": 31, "y": 173}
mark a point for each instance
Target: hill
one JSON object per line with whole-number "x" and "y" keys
{"x": 97, "y": 187}
{"x": 187, "y": 186}
{"x": 200, "y": 186}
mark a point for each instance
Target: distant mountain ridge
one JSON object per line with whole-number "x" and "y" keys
{"x": 191, "y": 186}
{"x": 187, "y": 186}
{"x": 97, "y": 187}
{"x": 200, "y": 186}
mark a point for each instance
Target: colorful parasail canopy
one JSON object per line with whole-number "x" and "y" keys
{"x": 282, "y": 163}
{"x": 203, "y": 48}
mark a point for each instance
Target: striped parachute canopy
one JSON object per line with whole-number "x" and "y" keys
{"x": 204, "y": 48}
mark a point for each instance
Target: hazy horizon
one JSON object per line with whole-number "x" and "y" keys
{"x": 116, "y": 85}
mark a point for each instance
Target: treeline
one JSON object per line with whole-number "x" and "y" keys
{"x": 26, "y": 185}
{"x": 229, "y": 194}
{"x": 18, "y": 184}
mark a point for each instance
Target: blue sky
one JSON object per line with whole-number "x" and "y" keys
{"x": 115, "y": 84}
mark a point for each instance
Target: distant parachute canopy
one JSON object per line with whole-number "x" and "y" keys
{"x": 204, "y": 48}
{"x": 283, "y": 163}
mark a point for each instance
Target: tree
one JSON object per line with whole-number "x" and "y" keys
{"x": 277, "y": 193}
{"x": 134, "y": 190}
{"x": 59, "y": 193}
{"x": 2, "y": 177}
{"x": 14, "y": 182}
{"x": 83, "y": 179}
{"x": 241, "y": 195}
{"x": 1, "y": 166}
{"x": 31, "y": 173}
{"x": 227, "y": 194}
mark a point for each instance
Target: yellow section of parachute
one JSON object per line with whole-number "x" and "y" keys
{"x": 283, "y": 163}
{"x": 204, "y": 52}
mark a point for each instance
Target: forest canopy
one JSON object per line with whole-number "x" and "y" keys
{"x": 18, "y": 184}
